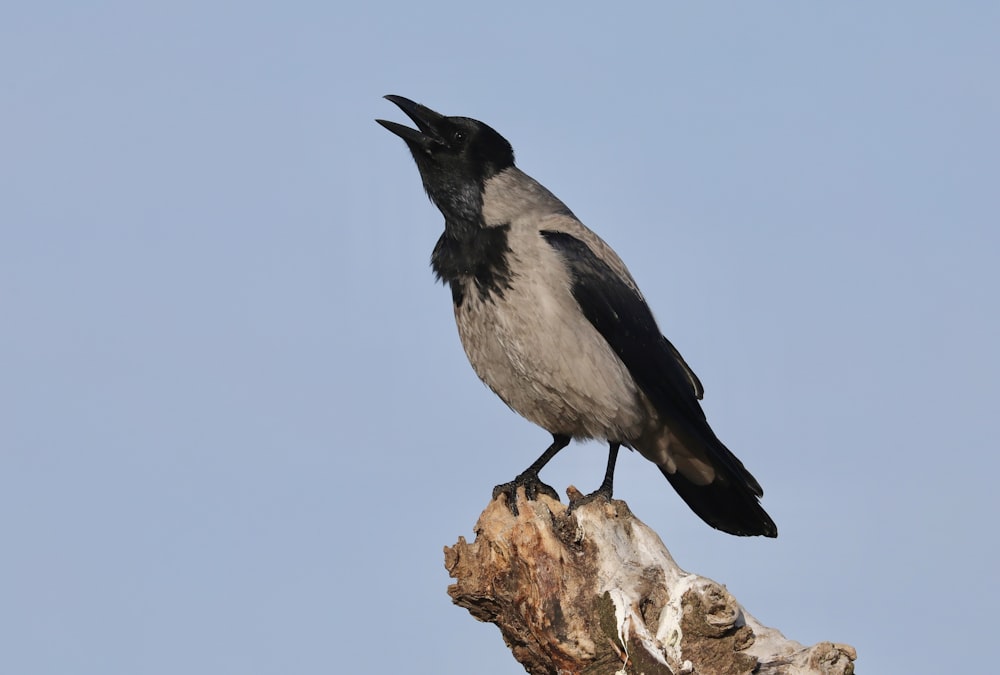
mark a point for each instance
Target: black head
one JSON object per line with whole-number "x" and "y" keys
{"x": 455, "y": 156}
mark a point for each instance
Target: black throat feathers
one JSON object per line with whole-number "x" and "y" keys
{"x": 473, "y": 257}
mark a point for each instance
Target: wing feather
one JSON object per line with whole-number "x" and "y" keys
{"x": 620, "y": 314}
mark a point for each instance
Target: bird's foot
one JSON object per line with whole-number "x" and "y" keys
{"x": 532, "y": 484}
{"x": 576, "y": 499}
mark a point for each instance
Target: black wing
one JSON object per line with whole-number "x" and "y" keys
{"x": 622, "y": 317}
{"x": 620, "y": 314}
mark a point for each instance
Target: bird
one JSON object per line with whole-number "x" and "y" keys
{"x": 552, "y": 321}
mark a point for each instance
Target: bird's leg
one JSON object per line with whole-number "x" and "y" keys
{"x": 528, "y": 478}
{"x": 607, "y": 485}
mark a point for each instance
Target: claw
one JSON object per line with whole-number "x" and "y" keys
{"x": 607, "y": 485}
{"x": 533, "y": 486}
{"x": 602, "y": 493}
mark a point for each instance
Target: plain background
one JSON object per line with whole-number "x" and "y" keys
{"x": 236, "y": 424}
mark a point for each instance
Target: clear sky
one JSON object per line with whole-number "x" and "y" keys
{"x": 236, "y": 423}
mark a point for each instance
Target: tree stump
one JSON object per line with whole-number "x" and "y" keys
{"x": 594, "y": 591}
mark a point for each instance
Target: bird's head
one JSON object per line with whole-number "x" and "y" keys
{"x": 455, "y": 156}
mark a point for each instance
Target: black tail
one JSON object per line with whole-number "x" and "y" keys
{"x": 727, "y": 504}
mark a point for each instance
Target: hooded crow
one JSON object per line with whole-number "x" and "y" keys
{"x": 552, "y": 322}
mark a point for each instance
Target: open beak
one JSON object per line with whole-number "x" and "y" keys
{"x": 427, "y": 134}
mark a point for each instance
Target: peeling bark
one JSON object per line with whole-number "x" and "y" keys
{"x": 594, "y": 591}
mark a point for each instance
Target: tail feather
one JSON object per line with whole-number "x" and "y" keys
{"x": 727, "y": 504}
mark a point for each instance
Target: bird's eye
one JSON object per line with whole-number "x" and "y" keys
{"x": 458, "y": 136}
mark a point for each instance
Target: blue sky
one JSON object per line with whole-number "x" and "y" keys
{"x": 236, "y": 424}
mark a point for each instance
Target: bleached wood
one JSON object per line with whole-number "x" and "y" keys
{"x": 594, "y": 590}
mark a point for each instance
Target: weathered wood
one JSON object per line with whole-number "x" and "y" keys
{"x": 594, "y": 591}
